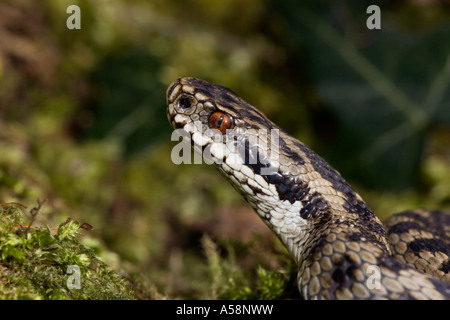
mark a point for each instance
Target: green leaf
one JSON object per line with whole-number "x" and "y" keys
{"x": 12, "y": 252}
{"x": 43, "y": 238}
{"x": 68, "y": 230}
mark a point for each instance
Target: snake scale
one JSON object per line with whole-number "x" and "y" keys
{"x": 342, "y": 249}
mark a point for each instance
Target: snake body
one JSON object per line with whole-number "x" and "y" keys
{"x": 342, "y": 249}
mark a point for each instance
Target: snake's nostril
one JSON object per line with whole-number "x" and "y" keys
{"x": 184, "y": 103}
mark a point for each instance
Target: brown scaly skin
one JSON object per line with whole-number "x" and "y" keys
{"x": 421, "y": 239}
{"x": 340, "y": 246}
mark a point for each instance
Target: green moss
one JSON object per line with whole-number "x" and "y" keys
{"x": 39, "y": 263}
{"x": 228, "y": 280}
{"x": 269, "y": 285}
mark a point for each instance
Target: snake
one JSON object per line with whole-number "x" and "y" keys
{"x": 342, "y": 249}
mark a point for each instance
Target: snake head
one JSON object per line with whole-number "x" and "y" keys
{"x": 229, "y": 132}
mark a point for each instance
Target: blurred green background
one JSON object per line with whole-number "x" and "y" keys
{"x": 82, "y": 120}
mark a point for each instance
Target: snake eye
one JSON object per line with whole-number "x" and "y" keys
{"x": 221, "y": 121}
{"x": 184, "y": 103}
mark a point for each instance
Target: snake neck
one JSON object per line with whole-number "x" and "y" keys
{"x": 335, "y": 226}
{"x": 303, "y": 198}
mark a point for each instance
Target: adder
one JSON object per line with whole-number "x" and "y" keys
{"x": 342, "y": 249}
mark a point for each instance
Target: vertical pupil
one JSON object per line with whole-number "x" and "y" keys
{"x": 219, "y": 122}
